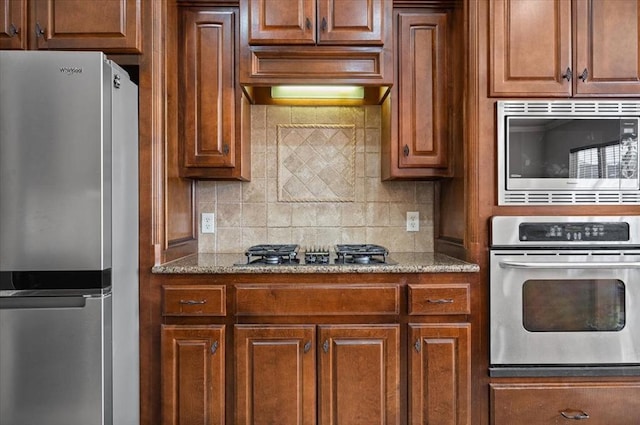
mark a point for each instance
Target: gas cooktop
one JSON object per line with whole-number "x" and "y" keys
{"x": 287, "y": 254}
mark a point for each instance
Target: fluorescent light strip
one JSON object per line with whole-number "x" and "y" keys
{"x": 317, "y": 92}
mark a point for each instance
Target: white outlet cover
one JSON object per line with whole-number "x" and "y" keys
{"x": 207, "y": 224}
{"x": 413, "y": 221}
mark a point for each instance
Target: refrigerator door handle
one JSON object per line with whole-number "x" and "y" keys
{"x": 15, "y": 303}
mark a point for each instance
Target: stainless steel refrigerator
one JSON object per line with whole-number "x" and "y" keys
{"x": 68, "y": 240}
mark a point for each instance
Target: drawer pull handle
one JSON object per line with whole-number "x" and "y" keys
{"x": 307, "y": 347}
{"x": 214, "y": 347}
{"x": 193, "y": 302}
{"x": 576, "y": 415}
{"x": 440, "y": 300}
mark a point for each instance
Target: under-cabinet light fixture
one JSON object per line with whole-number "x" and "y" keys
{"x": 317, "y": 92}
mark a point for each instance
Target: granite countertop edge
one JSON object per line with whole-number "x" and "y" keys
{"x": 232, "y": 264}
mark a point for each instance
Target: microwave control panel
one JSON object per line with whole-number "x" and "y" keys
{"x": 574, "y": 232}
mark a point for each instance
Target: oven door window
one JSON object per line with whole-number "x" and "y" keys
{"x": 565, "y": 305}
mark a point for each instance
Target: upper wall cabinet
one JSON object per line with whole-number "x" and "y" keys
{"x": 106, "y": 25}
{"x": 535, "y": 52}
{"x": 213, "y": 113}
{"x": 316, "y": 21}
{"x": 418, "y": 116}
{"x": 315, "y": 42}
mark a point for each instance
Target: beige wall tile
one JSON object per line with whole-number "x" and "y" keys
{"x": 249, "y": 213}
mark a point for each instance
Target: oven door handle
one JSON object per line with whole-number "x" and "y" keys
{"x": 561, "y": 265}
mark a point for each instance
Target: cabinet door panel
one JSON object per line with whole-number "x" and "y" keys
{"x": 607, "y": 47}
{"x": 193, "y": 384}
{"x": 281, "y": 22}
{"x": 530, "y": 47}
{"x": 208, "y": 92}
{"x": 275, "y": 375}
{"x": 13, "y": 24}
{"x": 548, "y": 404}
{"x": 359, "y": 375}
{"x": 351, "y": 21}
{"x": 107, "y": 25}
{"x": 422, "y": 89}
{"x": 440, "y": 374}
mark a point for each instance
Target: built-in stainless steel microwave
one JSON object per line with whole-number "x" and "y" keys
{"x": 568, "y": 152}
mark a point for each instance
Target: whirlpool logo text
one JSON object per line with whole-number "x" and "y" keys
{"x": 71, "y": 70}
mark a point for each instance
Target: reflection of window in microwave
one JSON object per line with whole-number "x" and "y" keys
{"x": 573, "y": 305}
{"x": 542, "y": 147}
{"x": 595, "y": 162}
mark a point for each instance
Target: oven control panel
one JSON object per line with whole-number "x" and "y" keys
{"x": 574, "y": 232}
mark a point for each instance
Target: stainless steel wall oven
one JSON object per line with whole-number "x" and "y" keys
{"x": 565, "y": 296}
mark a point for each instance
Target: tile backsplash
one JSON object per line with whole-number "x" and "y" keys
{"x": 315, "y": 180}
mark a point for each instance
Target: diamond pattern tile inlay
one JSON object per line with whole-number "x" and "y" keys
{"x": 316, "y": 162}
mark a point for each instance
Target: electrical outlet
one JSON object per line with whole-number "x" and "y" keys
{"x": 208, "y": 223}
{"x": 413, "y": 221}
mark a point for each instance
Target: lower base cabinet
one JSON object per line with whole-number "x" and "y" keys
{"x": 564, "y": 403}
{"x": 193, "y": 384}
{"x": 440, "y": 374}
{"x": 339, "y": 374}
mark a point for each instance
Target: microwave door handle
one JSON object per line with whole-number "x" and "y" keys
{"x": 560, "y": 265}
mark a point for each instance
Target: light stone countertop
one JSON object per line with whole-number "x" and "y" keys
{"x": 236, "y": 263}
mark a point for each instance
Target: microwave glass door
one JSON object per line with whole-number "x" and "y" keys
{"x": 572, "y": 153}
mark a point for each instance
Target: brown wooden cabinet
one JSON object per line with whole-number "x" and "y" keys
{"x": 316, "y": 349}
{"x": 536, "y": 52}
{"x": 193, "y": 374}
{"x": 356, "y": 373}
{"x": 315, "y": 21}
{"x": 311, "y": 41}
{"x": 440, "y": 373}
{"x": 105, "y": 25}
{"x": 275, "y": 374}
{"x": 558, "y": 403}
{"x": 214, "y": 115}
{"x": 415, "y": 131}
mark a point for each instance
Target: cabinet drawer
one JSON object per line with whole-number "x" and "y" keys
{"x": 304, "y": 299}
{"x": 194, "y": 300}
{"x": 546, "y": 404}
{"x": 452, "y": 298}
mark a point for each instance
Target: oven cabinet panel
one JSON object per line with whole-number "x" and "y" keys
{"x": 355, "y": 369}
{"x": 531, "y": 46}
{"x": 440, "y": 374}
{"x": 547, "y": 404}
{"x": 275, "y": 374}
{"x": 193, "y": 374}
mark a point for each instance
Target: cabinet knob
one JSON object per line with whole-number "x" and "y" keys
{"x": 325, "y": 346}
{"x": 583, "y": 77}
{"x": 39, "y": 30}
{"x": 214, "y": 347}
{"x": 324, "y": 24}
{"x": 576, "y": 415}
{"x": 405, "y": 151}
{"x": 308, "y": 23}
{"x": 567, "y": 74}
{"x": 225, "y": 149}
{"x": 307, "y": 346}
{"x": 13, "y": 31}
